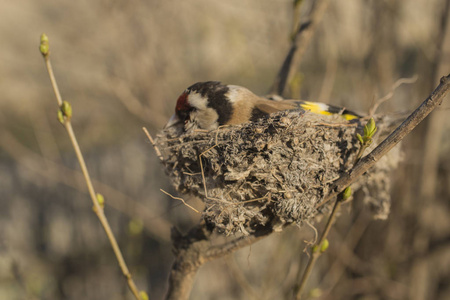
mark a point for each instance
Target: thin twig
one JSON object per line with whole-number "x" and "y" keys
{"x": 98, "y": 209}
{"x": 201, "y": 168}
{"x": 201, "y": 164}
{"x": 314, "y": 229}
{"x": 158, "y": 153}
{"x": 315, "y": 255}
{"x": 180, "y": 199}
{"x": 53, "y": 79}
{"x": 389, "y": 95}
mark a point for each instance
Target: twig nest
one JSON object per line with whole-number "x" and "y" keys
{"x": 273, "y": 171}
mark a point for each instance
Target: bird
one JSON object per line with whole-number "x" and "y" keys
{"x": 210, "y": 104}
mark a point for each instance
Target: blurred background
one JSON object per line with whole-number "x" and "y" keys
{"x": 122, "y": 65}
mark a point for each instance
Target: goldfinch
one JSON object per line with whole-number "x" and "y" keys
{"x": 208, "y": 105}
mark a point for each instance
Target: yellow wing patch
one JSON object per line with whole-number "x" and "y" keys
{"x": 317, "y": 108}
{"x": 324, "y": 109}
{"x": 349, "y": 117}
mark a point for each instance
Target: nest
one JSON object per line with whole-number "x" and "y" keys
{"x": 273, "y": 171}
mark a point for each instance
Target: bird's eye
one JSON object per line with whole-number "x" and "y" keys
{"x": 184, "y": 115}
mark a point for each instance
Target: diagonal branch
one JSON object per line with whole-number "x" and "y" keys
{"x": 435, "y": 99}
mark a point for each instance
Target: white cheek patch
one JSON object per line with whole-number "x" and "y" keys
{"x": 202, "y": 117}
{"x": 197, "y": 101}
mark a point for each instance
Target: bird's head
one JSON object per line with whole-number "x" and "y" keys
{"x": 203, "y": 105}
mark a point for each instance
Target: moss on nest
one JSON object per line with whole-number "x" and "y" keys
{"x": 272, "y": 171}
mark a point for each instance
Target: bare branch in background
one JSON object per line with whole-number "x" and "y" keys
{"x": 301, "y": 40}
{"x": 134, "y": 105}
{"x": 389, "y": 95}
{"x": 157, "y": 227}
{"x": 434, "y": 134}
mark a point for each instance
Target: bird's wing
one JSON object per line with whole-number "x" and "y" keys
{"x": 270, "y": 106}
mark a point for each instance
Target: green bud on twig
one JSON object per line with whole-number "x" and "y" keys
{"x": 324, "y": 246}
{"x": 44, "y": 46}
{"x": 143, "y": 295}
{"x": 100, "y": 200}
{"x": 64, "y": 112}
{"x": 360, "y": 139}
{"x": 370, "y": 128}
{"x": 135, "y": 227}
{"x": 66, "y": 109}
{"x": 347, "y": 193}
{"x": 61, "y": 117}
{"x": 315, "y": 248}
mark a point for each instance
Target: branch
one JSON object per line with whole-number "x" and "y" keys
{"x": 320, "y": 247}
{"x": 64, "y": 116}
{"x": 188, "y": 250}
{"x": 194, "y": 249}
{"x": 299, "y": 44}
{"x": 222, "y": 250}
{"x": 435, "y": 99}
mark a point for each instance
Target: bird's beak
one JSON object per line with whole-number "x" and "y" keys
{"x": 174, "y": 120}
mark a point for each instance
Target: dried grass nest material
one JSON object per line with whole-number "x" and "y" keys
{"x": 272, "y": 171}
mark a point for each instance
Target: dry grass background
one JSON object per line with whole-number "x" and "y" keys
{"x": 122, "y": 66}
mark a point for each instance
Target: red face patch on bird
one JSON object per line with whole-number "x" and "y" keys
{"x": 182, "y": 103}
{"x": 183, "y": 108}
